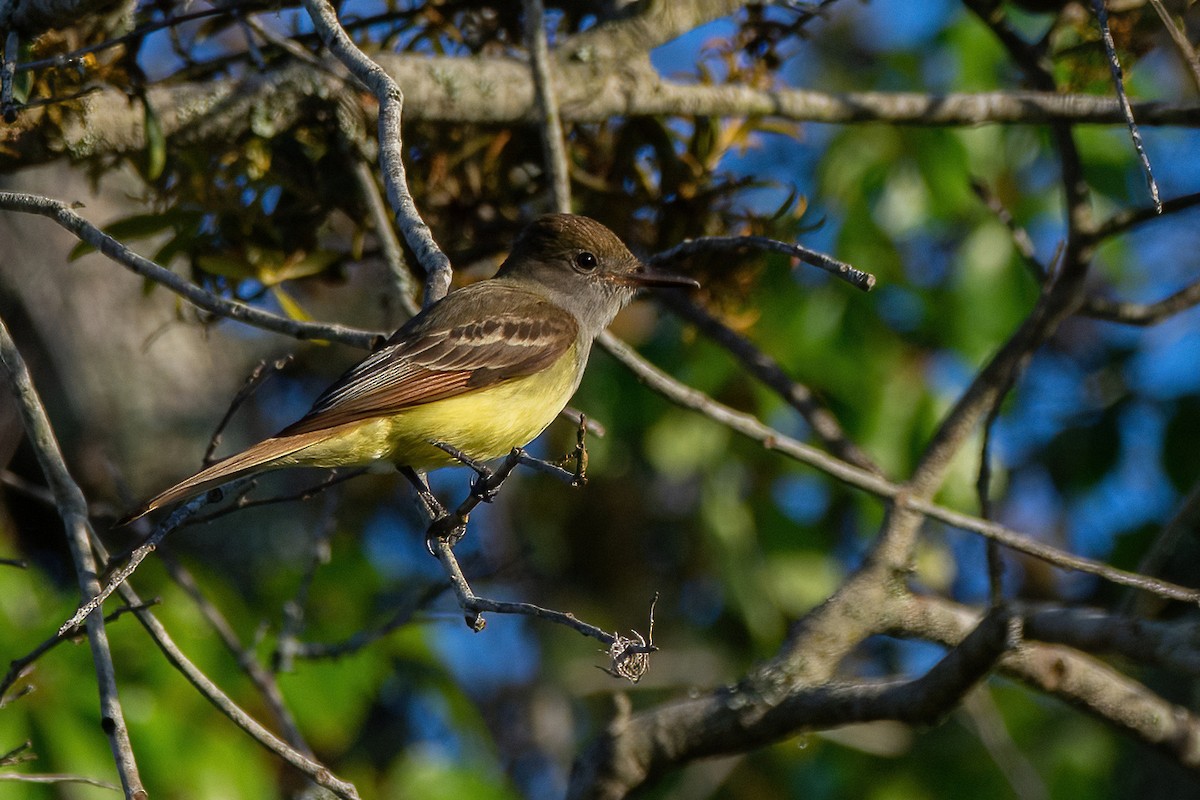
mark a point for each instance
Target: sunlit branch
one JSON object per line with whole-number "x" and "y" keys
{"x": 72, "y": 509}
{"x": 768, "y": 707}
{"x": 555, "y": 150}
{"x": 66, "y": 217}
{"x": 900, "y": 495}
{"x": 391, "y": 153}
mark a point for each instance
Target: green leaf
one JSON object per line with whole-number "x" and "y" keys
{"x": 156, "y": 143}
{"x": 138, "y": 226}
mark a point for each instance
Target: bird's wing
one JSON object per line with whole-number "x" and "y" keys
{"x": 447, "y": 350}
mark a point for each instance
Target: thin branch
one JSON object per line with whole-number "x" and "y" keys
{"x": 18, "y": 666}
{"x": 1114, "y": 65}
{"x": 983, "y": 489}
{"x": 256, "y": 378}
{"x": 261, "y": 677}
{"x": 242, "y": 499}
{"x": 769, "y": 707}
{"x": 1060, "y": 297}
{"x": 66, "y": 217}
{"x": 1080, "y": 680}
{"x": 547, "y": 101}
{"x": 620, "y": 648}
{"x": 72, "y": 508}
{"x": 391, "y": 105}
{"x": 293, "y": 610}
{"x": 404, "y": 288}
{"x": 1122, "y": 221}
{"x": 8, "y": 70}
{"x": 1020, "y": 236}
{"x": 402, "y": 616}
{"x": 445, "y": 530}
{"x": 1163, "y": 643}
{"x": 983, "y": 714}
{"x": 745, "y": 244}
{"x": 1142, "y": 314}
{"x": 64, "y": 60}
{"x": 177, "y": 518}
{"x": 824, "y": 424}
{"x": 1182, "y": 521}
{"x": 315, "y": 770}
{"x": 900, "y": 495}
{"x": 1179, "y": 38}
{"x": 53, "y": 778}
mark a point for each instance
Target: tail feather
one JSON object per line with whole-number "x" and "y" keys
{"x": 256, "y": 458}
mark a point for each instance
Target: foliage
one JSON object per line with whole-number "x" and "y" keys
{"x": 1093, "y": 448}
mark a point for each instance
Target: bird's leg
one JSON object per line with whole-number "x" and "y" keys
{"x": 433, "y": 507}
{"x": 482, "y": 487}
{"x": 443, "y": 524}
{"x": 579, "y": 455}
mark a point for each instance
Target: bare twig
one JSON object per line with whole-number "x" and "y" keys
{"x": 175, "y": 520}
{"x": 900, "y": 495}
{"x": 257, "y": 376}
{"x": 984, "y": 715}
{"x": 55, "y": 778}
{"x": 1110, "y": 49}
{"x": 261, "y": 677}
{"x": 8, "y": 70}
{"x": 445, "y": 530}
{"x": 72, "y": 508}
{"x": 768, "y": 706}
{"x": 547, "y": 101}
{"x": 1179, "y": 37}
{"x": 473, "y": 606}
{"x": 1122, "y": 221}
{"x": 1019, "y": 235}
{"x": 1182, "y": 521}
{"x": 1142, "y": 313}
{"x": 391, "y": 105}
{"x": 404, "y": 288}
{"x": 18, "y": 666}
{"x": 824, "y": 424}
{"x": 314, "y": 769}
{"x": 294, "y": 609}
{"x": 403, "y": 615}
{"x": 744, "y": 244}
{"x": 171, "y": 22}
{"x": 67, "y": 218}
{"x": 1082, "y": 681}
{"x": 1171, "y": 644}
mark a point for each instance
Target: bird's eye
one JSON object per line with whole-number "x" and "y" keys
{"x": 586, "y": 262}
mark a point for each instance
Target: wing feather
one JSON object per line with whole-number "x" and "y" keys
{"x": 445, "y": 351}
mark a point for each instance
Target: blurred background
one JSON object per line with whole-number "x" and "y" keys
{"x": 1093, "y": 451}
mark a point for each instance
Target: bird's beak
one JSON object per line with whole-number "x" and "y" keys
{"x": 644, "y": 276}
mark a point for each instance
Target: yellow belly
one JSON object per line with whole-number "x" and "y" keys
{"x": 484, "y": 424}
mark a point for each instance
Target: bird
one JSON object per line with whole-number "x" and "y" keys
{"x": 483, "y": 370}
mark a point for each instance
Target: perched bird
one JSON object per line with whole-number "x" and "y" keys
{"x": 483, "y": 370}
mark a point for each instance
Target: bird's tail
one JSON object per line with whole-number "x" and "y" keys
{"x": 257, "y": 458}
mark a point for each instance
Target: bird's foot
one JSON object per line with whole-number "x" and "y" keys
{"x": 482, "y": 487}
{"x": 576, "y": 461}
{"x": 450, "y": 528}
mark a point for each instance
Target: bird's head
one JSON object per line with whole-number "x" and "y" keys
{"x": 582, "y": 266}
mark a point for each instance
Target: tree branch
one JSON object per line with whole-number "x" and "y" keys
{"x": 391, "y": 152}
{"x": 767, "y": 707}
{"x": 72, "y": 508}
{"x": 1084, "y": 682}
{"x": 494, "y": 90}
{"x": 62, "y": 214}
